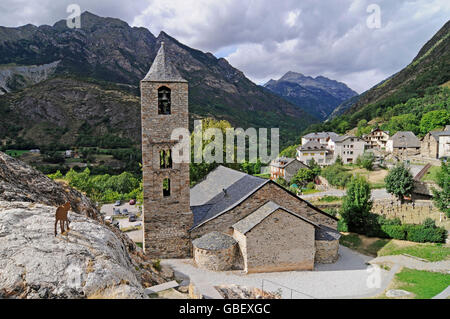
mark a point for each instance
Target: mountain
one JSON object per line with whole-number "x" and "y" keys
{"x": 318, "y": 96}
{"x": 430, "y": 68}
{"x": 59, "y": 84}
{"x": 400, "y": 101}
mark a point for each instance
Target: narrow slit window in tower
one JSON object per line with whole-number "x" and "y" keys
{"x": 166, "y": 187}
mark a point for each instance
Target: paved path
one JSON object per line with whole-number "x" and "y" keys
{"x": 349, "y": 277}
{"x": 444, "y": 294}
{"x": 413, "y": 263}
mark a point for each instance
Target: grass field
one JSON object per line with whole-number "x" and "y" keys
{"x": 423, "y": 284}
{"x": 430, "y": 252}
{"x": 431, "y": 175}
{"x": 15, "y": 153}
{"x": 373, "y": 246}
{"x": 362, "y": 244}
{"x": 375, "y": 177}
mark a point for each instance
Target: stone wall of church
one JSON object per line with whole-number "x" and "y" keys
{"x": 217, "y": 260}
{"x": 166, "y": 219}
{"x": 281, "y": 242}
{"x": 327, "y": 251}
{"x": 269, "y": 192}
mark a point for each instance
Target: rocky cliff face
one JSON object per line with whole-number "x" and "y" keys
{"x": 17, "y": 77}
{"x": 90, "y": 262}
{"x": 20, "y": 182}
{"x": 318, "y": 96}
{"x": 93, "y": 261}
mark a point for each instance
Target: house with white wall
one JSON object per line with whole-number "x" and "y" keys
{"x": 347, "y": 147}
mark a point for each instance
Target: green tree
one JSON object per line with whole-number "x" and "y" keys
{"x": 282, "y": 182}
{"x": 442, "y": 198}
{"x": 357, "y": 205}
{"x": 303, "y": 177}
{"x": 434, "y": 119}
{"x": 399, "y": 181}
{"x": 366, "y": 161}
{"x": 343, "y": 127}
{"x": 403, "y": 122}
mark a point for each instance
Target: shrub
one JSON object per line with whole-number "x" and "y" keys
{"x": 394, "y": 231}
{"x": 336, "y": 175}
{"x": 342, "y": 226}
{"x": 422, "y": 234}
{"x": 310, "y": 185}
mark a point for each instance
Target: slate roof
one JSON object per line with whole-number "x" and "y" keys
{"x": 445, "y": 132}
{"x": 342, "y": 138}
{"x": 221, "y": 190}
{"x": 326, "y": 233}
{"x": 224, "y": 189}
{"x": 248, "y": 223}
{"x": 278, "y": 162}
{"x": 320, "y": 135}
{"x": 312, "y": 146}
{"x": 405, "y": 139}
{"x": 214, "y": 241}
{"x": 162, "y": 70}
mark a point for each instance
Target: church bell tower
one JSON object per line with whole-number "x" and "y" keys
{"x": 167, "y": 214}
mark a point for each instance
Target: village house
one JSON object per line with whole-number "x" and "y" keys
{"x": 377, "y": 139}
{"x": 436, "y": 144}
{"x": 403, "y": 143}
{"x": 347, "y": 147}
{"x": 285, "y": 168}
{"x": 230, "y": 220}
{"x": 320, "y": 137}
{"x": 314, "y": 150}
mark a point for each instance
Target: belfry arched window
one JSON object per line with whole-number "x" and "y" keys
{"x": 165, "y": 159}
{"x": 164, "y": 100}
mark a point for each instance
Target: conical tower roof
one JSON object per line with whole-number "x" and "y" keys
{"x": 162, "y": 70}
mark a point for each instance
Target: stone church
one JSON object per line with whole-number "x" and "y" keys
{"x": 230, "y": 220}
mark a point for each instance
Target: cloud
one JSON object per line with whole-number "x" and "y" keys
{"x": 265, "y": 38}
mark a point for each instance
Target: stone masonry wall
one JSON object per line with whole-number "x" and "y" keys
{"x": 281, "y": 242}
{"x": 327, "y": 252}
{"x": 166, "y": 219}
{"x": 217, "y": 260}
{"x": 268, "y": 192}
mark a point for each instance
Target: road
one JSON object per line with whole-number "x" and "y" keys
{"x": 349, "y": 277}
{"x": 136, "y": 235}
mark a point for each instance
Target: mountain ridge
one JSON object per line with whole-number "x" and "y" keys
{"x": 109, "y": 50}
{"x": 318, "y": 96}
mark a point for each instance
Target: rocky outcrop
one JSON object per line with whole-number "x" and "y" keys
{"x": 93, "y": 260}
{"x": 17, "y": 77}
{"x": 20, "y": 182}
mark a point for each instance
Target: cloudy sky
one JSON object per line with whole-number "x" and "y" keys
{"x": 346, "y": 40}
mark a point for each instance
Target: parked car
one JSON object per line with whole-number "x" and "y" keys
{"x": 116, "y": 211}
{"x": 108, "y": 218}
{"x": 124, "y": 211}
{"x": 132, "y": 202}
{"x": 132, "y": 218}
{"x": 117, "y": 203}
